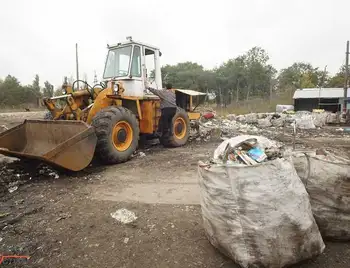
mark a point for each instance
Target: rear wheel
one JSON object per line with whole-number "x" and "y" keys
{"x": 180, "y": 131}
{"x": 117, "y": 132}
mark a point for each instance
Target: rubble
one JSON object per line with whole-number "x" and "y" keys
{"x": 332, "y": 118}
{"x": 14, "y": 173}
{"x": 241, "y": 118}
{"x": 247, "y": 150}
{"x": 251, "y": 118}
{"x": 264, "y": 123}
{"x": 231, "y": 117}
{"x": 278, "y": 122}
{"x": 63, "y": 216}
{"x": 7, "y": 159}
{"x": 260, "y": 123}
{"x": 220, "y": 127}
{"x": 54, "y": 175}
{"x": 124, "y": 216}
{"x": 304, "y": 120}
{"x": 12, "y": 189}
{"x": 141, "y": 154}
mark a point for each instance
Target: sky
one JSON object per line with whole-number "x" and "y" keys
{"x": 39, "y": 36}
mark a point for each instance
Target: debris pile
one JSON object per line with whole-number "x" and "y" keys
{"x": 124, "y": 215}
{"x": 214, "y": 127}
{"x": 303, "y": 119}
{"x": 247, "y": 151}
{"x": 217, "y": 127}
{"x": 14, "y": 173}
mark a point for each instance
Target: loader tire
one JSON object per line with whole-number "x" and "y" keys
{"x": 117, "y": 131}
{"x": 180, "y": 132}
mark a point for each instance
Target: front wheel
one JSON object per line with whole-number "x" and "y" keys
{"x": 117, "y": 131}
{"x": 180, "y": 132}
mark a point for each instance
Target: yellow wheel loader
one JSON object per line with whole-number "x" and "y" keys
{"x": 107, "y": 119}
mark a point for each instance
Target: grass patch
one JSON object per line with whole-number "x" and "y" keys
{"x": 257, "y": 105}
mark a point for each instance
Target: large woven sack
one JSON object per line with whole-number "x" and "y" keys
{"x": 327, "y": 180}
{"x": 259, "y": 216}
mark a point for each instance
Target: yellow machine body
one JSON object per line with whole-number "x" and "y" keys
{"x": 70, "y": 142}
{"x": 102, "y": 119}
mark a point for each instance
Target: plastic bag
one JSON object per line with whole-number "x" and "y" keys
{"x": 281, "y": 108}
{"x": 264, "y": 122}
{"x": 320, "y": 119}
{"x": 251, "y": 118}
{"x": 262, "y": 142}
{"x": 305, "y": 122}
{"x": 327, "y": 180}
{"x": 260, "y": 216}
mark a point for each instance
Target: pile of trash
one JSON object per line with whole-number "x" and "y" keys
{"x": 247, "y": 150}
{"x": 15, "y": 173}
{"x": 302, "y": 119}
{"x": 255, "y": 208}
{"x": 214, "y": 127}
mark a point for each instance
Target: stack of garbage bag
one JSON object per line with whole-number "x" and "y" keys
{"x": 255, "y": 208}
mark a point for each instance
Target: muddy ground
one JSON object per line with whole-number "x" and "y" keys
{"x": 66, "y": 222}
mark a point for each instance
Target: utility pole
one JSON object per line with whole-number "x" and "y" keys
{"x": 321, "y": 85}
{"x": 77, "y": 63}
{"x": 95, "y": 78}
{"x": 270, "y": 97}
{"x": 346, "y": 78}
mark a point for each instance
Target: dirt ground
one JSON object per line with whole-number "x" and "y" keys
{"x": 66, "y": 222}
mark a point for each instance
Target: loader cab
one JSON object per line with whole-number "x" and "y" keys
{"x": 133, "y": 63}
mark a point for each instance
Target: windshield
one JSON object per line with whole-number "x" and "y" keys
{"x": 117, "y": 63}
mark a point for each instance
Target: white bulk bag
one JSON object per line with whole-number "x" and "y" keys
{"x": 327, "y": 180}
{"x": 260, "y": 216}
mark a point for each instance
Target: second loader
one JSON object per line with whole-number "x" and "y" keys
{"x": 107, "y": 119}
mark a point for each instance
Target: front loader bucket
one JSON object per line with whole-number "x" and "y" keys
{"x": 66, "y": 144}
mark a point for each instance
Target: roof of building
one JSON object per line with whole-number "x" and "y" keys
{"x": 324, "y": 93}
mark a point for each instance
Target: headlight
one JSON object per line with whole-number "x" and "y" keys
{"x": 116, "y": 88}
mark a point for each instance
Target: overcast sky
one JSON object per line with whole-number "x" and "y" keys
{"x": 39, "y": 36}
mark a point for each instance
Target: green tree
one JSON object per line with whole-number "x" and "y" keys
{"x": 301, "y": 75}
{"x": 184, "y": 75}
{"x": 36, "y": 84}
{"x": 48, "y": 89}
{"x": 12, "y": 93}
{"x": 232, "y": 75}
{"x": 247, "y": 75}
{"x": 338, "y": 80}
